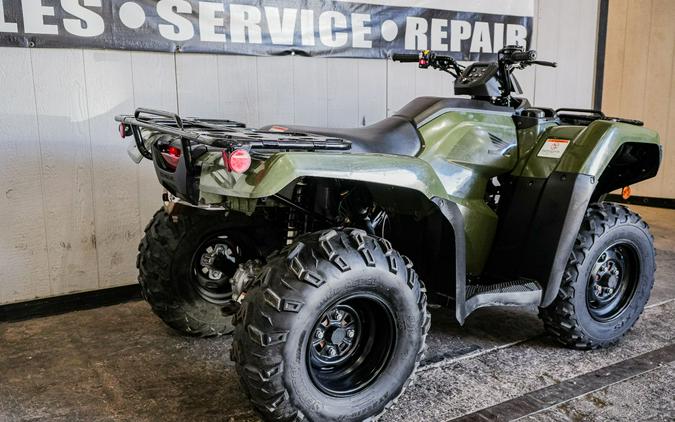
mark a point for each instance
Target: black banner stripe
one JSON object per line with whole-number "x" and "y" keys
{"x": 305, "y": 27}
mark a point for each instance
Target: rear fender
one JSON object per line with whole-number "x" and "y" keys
{"x": 274, "y": 175}
{"x": 269, "y": 177}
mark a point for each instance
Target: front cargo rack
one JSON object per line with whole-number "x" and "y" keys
{"x": 584, "y": 116}
{"x": 226, "y": 134}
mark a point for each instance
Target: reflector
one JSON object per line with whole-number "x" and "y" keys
{"x": 171, "y": 156}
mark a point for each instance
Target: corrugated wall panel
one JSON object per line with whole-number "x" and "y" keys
{"x": 24, "y": 265}
{"x": 197, "y": 81}
{"x": 66, "y": 167}
{"x": 566, "y": 33}
{"x": 109, "y": 80}
{"x": 238, "y": 88}
{"x": 310, "y": 90}
{"x": 342, "y": 106}
{"x": 275, "y": 90}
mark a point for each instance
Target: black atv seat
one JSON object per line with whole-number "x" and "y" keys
{"x": 393, "y": 135}
{"x": 398, "y": 134}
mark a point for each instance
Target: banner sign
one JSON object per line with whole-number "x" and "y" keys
{"x": 305, "y": 27}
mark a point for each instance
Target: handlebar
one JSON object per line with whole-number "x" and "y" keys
{"x": 511, "y": 54}
{"x": 509, "y": 58}
{"x": 405, "y": 58}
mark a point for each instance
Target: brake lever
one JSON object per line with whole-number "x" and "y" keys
{"x": 448, "y": 63}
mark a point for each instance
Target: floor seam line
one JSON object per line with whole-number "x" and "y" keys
{"x": 478, "y": 353}
{"x": 648, "y": 358}
{"x": 590, "y": 392}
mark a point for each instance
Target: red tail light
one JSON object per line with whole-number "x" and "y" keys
{"x": 124, "y": 130}
{"x": 171, "y": 156}
{"x": 237, "y": 161}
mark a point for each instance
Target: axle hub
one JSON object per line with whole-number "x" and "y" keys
{"x": 612, "y": 282}
{"x": 335, "y": 333}
{"x": 214, "y": 263}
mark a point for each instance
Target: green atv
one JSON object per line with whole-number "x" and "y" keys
{"x": 302, "y": 240}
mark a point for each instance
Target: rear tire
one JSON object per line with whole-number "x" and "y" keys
{"x": 370, "y": 308}
{"x": 607, "y": 282}
{"x": 167, "y": 260}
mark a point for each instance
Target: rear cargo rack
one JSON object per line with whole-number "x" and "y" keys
{"x": 198, "y": 136}
{"x": 225, "y": 134}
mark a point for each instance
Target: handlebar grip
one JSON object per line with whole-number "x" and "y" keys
{"x": 545, "y": 63}
{"x": 405, "y": 58}
{"x": 523, "y": 56}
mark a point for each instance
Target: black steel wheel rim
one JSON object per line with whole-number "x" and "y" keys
{"x": 612, "y": 282}
{"x": 351, "y": 344}
{"x": 213, "y": 264}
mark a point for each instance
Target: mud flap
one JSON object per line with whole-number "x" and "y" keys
{"x": 538, "y": 228}
{"x": 554, "y": 228}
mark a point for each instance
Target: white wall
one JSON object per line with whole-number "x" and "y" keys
{"x": 73, "y": 204}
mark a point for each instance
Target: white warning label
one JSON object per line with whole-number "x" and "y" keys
{"x": 553, "y": 148}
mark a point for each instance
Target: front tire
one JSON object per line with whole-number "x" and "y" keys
{"x": 333, "y": 329}
{"x": 607, "y": 282}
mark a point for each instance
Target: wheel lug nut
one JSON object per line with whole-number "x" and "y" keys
{"x": 350, "y": 333}
{"x": 318, "y": 333}
{"x": 338, "y": 316}
{"x": 332, "y": 352}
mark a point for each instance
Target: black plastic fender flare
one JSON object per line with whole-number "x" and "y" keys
{"x": 451, "y": 212}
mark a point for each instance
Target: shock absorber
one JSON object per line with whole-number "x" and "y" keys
{"x": 297, "y": 222}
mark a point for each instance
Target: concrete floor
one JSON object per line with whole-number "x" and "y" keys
{"x": 120, "y": 363}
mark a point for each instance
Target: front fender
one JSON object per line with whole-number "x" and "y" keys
{"x": 593, "y": 150}
{"x": 269, "y": 177}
